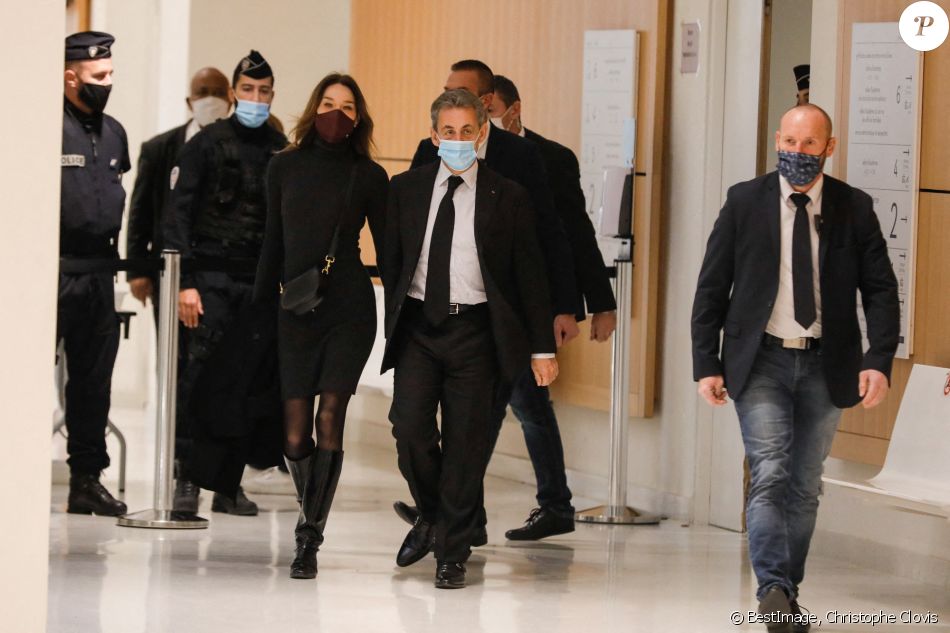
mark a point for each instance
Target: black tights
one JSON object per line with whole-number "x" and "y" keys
{"x": 299, "y": 422}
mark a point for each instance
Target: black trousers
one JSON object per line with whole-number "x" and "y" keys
{"x": 89, "y": 328}
{"x": 453, "y": 367}
{"x": 223, "y": 297}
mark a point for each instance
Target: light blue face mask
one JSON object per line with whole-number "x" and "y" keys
{"x": 458, "y": 155}
{"x": 251, "y": 113}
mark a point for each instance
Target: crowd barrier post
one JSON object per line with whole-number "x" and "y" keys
{"x": 616, "y": 510}
{"x": 162, "y": 514}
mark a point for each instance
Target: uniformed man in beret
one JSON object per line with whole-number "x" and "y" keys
{"x": 95, "y": 155}
{"x": 803, "y": 83}
{"x": 217, "y": 209}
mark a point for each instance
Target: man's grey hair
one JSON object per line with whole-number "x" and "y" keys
{"x": 458, "y": 98}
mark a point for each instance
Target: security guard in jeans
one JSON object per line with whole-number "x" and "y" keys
{"x": 218, "y": 209}
{"x": 95, "y": 155}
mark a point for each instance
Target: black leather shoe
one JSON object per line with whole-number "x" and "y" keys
{"x": 406, "y": 512}
{"x": 409, "y": 514}
{"x": 304, "y": 566}
{"x": 541, "y": 523}
{"x": 449, "y": 575}
{"x": 186, "y": 496}
{"x": 239, "y": 506}
{"x": 775, "y": 607}
{"x": 417, "y": 544}
{"x": 800, "y": 624}
{"x": 88, "y": 496}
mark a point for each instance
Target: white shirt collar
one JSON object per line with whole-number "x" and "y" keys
{"x": 813, "y": 194}
{"x": 469, "y": 176}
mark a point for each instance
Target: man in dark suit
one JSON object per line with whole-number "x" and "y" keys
{"x": 208, "y": 101}
{"x": 467, "y": 307}
{"x": 518, "y": 160}
{"x": 783, "y": 265}
{"x": 532, "y": 404}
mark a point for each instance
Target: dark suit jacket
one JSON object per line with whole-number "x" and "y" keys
{"x": 517, "y": 159}
{"x": 564, "y": 174}
{"x": 738, "y": 284}
{"x": 508, "y": 254}
{"x": 144, "y": 233}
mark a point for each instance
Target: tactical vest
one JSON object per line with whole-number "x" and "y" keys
{"x": 235, "y": 209}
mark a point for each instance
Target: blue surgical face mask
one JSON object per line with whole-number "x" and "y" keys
{"x": 251, "y": 113}
{"x": 458, "y": 155}
{"x": 799, "y": 168}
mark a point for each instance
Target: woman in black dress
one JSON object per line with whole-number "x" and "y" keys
{"x": 324, "y": 178}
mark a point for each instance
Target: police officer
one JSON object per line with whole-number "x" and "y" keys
{"x": 218, "y": 209}
{"x": 95, "y": 155}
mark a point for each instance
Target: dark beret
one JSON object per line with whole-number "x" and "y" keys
{"x": 254, "y": 66}
{"x": 88, "y": 45}
{"x": 803, "y": 76}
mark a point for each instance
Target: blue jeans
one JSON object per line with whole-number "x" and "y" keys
{"x": 788, "y": 422}
{"x": 531, "y": 404}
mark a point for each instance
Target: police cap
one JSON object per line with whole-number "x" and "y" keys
{"x": 254, "y": 66}
{"x": 88, "y": 45}
{"x": 803, "y": 76}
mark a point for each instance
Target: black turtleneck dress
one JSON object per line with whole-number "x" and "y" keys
{"x": 327, "y": 349}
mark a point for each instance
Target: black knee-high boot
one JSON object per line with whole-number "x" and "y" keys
{"x": 315, "y": 478}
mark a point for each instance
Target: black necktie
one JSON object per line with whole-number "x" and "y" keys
{"x": 803, "y": 283}
{"x": 436, "y": 307}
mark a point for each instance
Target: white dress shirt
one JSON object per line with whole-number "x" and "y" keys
{"x": 465, "y": 275}
{"x": 192, "y": 129}
{"x": 782, "y": 322}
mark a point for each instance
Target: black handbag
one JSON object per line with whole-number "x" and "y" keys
{"x": 305, "y": 292}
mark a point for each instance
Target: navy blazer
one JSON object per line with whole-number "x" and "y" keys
{"x": 738, "y": 284}
{"x": 564, "y": 173}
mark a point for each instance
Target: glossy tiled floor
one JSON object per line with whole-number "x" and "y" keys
{"x": 232, "y": 577}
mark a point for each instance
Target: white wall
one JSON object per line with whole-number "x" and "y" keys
{"x": 824, "y": 50}
{"x": 29, "y": 242}
{"x": 791, "y": 46}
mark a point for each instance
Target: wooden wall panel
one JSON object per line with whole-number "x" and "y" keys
{"x": 935, "y": 129}
{"x": 863, "y": 434}
{"x": 401, "y": 52}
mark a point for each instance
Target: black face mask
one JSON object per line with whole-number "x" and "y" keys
{"x": 95, "y": 96}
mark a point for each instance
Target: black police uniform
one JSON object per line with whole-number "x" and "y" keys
{"x": 217, "y": 209}
{"x": 95, "y": 155}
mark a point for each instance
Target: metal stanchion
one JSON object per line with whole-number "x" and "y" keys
{"x": 616, "y": 510}
{"x": 162, "y": 515}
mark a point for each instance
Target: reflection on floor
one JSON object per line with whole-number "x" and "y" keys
{"x": 232, "y": 577}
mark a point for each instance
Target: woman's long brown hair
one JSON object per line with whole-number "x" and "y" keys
{"x": 304, "y": 132}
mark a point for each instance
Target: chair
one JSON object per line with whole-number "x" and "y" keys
{"x": 916, "y": 472}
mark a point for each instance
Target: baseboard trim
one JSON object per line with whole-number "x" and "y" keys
{"x": 882, "y": 557}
